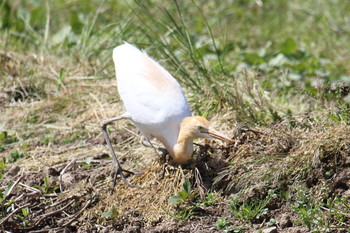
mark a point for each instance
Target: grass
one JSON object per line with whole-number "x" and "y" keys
{"x": 278, "y": 67}
{"x": 251, "y": 211}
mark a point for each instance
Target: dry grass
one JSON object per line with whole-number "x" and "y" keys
{"x": 279, "y": 156}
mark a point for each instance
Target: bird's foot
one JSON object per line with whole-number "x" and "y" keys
{"x": 163, "y": 160}
{"x": 163, "y": 170}
{"x": 125, "y": 180}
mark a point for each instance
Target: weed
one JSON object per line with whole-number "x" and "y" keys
{"x": 2, "y": 167}
{"x": 342, "y": 115}
{"x": 272, "y": 222}
{"x": 6, "y": 139}
{"x": 15, "y": 156}
{"x": 320, "y": 216}
{"x": 234, "y": 229}
{"x": 47, "y": 188}
{"x": 111, "y": 214}
{"x": 221, "y": 223}
{"x": 185, "y": 195}
{"x": 72, "y": 137}
{"x": 60, "y": 79}
{"x": 47, "y": 140}
{"x": 6, "y": 206}
{"x": 210, "y": 199}
{"x": 23, "y": 216}
{"x": 308, "y": 209}
{"x": 185, "y": 201}
{"x": 87, "y": 163}
{"x": 253, "y": 210}
{"x": 338, "y": 209}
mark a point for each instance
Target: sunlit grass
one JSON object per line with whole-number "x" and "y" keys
{"x": 279, "y": 65}
{"x": 294, "y": 48}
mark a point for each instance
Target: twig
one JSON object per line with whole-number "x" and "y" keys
{"x": 42, "y": 231}
{"x": 57, "y": 229}
{"x": 332, "y": 211}
{"x": 63, "y": 171}
{"x": 53, "y": 213}
{"x": 51, "y": 195}
{"x": 13, "y": 186}
{"x": 13, "y": 212}
{"x": 80, "y": 212}
{"x": 60, "y": 202}
{"x": 29, "y": 188}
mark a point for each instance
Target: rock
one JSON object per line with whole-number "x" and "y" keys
{"x": 67, "y": 178}
{"x": 346, "y": 194}
{"x": 285, "y": 221}
{"x": 13, "y": 171}
{"x": 134, "y": 229}
{"x": 297, "y": 229}
{"x": 270, "y": 230}
{"x": 101, "y": 156}
{"x": 51, "y": 171}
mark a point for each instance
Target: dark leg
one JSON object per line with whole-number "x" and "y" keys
{"x": 146, "y": 142}
{"x": 164, "y": 154}
{"x": 119, "y": 169}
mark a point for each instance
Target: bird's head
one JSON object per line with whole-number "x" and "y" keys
{"x": 199, "y": 127}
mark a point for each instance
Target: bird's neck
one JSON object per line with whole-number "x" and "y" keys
{"x": 183, "y": 149}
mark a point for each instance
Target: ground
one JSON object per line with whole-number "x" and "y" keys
{"x": 273, "y": 75}
{"x": 67, "y": 186}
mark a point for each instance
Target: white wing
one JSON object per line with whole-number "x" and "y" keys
{"x": 150, "y": 94}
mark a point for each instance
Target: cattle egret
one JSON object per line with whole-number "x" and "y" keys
{"x": 156, "y": 105}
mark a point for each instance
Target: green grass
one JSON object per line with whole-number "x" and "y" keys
{"x": 320, "y": 215}
{"x": 251, "y": 211}
{"x": 291, "y": 49}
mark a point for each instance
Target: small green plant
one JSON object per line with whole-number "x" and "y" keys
{"x": 47, "y": 188}
{"x": 251, "y": 211}
{"x": 185, "y": 201}
{"x": 2, "y": 167}
{"x": 308, "y": 209}
{"x": 15, "y": 156}
{"x": 111, "y": 214}
{"x": 72, "y": 137}
{"x": 5, "y": 206}
{"x": 23, "y": 216}
{"x": 233, "y": 229}
{"x": 87, "y": 163}
{"x": 221, "y": 223}
{"x": 210, "y": 199}
{"x": 60, "y": 78}
{"x": 6, "y": 139}
{"x": 272, "y": 222}
{"x": 47, "y": 140}
{"x": 342, "y": 115}
{"x": 185, "y": 195}
{"x": 320, "y": 216}
{"x": 4, "y": 193}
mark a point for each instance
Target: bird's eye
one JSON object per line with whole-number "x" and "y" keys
{"x": 200, "y": 128}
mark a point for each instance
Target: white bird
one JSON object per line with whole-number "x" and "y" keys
{"x": 156, "y": 105}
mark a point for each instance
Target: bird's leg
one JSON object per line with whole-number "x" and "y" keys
{"x": 164, "y": 154}
{"x": 119, "y": 169}
{"x": 146, "y": 142}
